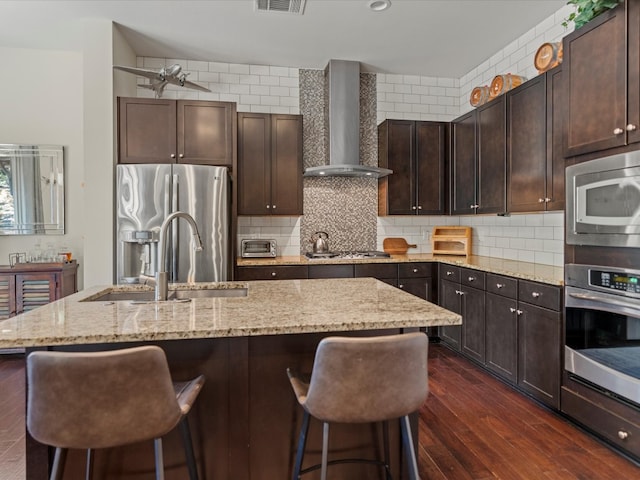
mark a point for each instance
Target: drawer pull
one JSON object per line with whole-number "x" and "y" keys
{"x": 459, "y": 292}
{"x": 622, "y": 435}
{"x": 499, "y": 285}
{"x": 415, "y": 270}
{"x": 449, "y": 273}
{"x": 273, "y": 274}
{"x": 535, "y": 294}
{"x": 401, "y": 286}
{"x": 471, "y": 279}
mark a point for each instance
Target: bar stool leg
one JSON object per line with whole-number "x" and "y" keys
{"x": 188, "y": 449}
{"x": 157, "y": 447}
{"x": 407, "y": 442}
{"x": 387, "y": 461}
{"x": 325, "y": 450}
{"x": 88, "y": 473}
{"x": 302, "y": 443}
{"x": 59, "y": 459}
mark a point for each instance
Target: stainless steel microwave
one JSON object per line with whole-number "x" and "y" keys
{"x": 603, "y": 201}
{"x": 256, "y": 247}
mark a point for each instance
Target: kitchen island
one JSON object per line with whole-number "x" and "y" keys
{"x": 246, "y": 420}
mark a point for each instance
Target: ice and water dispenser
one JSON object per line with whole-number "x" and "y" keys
{"x": 138, "y": 255}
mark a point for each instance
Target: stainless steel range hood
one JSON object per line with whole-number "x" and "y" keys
{"x": 342, "y": 79}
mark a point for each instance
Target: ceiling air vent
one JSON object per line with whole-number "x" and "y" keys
{"x": 282, "y": 6}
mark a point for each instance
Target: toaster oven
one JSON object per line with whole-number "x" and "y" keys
{"x": 257, "y": 247}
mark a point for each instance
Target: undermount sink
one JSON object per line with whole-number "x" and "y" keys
{"x": 174, "y": 295}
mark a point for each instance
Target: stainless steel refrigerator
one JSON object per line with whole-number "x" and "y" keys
{"x": 145, "y": 195}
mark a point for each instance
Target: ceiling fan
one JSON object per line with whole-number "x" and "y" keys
{"x": 158, "y": 79}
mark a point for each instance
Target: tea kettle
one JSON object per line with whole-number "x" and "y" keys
{"x": 320, "y": 242}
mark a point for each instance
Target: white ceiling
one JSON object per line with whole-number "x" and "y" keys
{"x": 444, "y": 38}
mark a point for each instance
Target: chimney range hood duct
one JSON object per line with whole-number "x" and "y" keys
{"x": 343, "y": 81}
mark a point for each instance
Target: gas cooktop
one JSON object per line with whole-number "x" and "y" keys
{"x": 349, "y": 254}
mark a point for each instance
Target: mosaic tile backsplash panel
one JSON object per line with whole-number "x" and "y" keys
{"x": 345, "y": 208}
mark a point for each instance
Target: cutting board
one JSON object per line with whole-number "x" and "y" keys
{"x": 396, "y": 246}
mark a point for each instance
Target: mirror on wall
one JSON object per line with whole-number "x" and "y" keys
{"x": 31, "y": 189}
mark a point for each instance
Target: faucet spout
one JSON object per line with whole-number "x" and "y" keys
{"x": 162, "y": 283}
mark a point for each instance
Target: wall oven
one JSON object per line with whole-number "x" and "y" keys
{"x": 602, "y": 329}
{"x": 603, "y": 201}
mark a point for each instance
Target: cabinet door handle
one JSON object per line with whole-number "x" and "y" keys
{"x": 541, "y": 200}
{"x": 414, "y": 207}
{"x": 401, "y": 286}
{"x": 618, "y": 131}
{"x": 173, "y": 155}
{"x": 471, "y": 279}
{"x": 273, "y": 274}
{"x": 519, "y": 312}
{"x": 499, "y": 285}
{"x": 631, "y": 127}
{"x": 512, "y": 310}
{"x": 181, "y": 155}
{"x": 449, "y": 273}
{"x": 547, "y": 199}
{"x": 273, "y": 206}
{"x": 268, "y": 206}
{"x": 419, "y": 207}
{"x": 415, "y": 270}
{"x": 535, "y": 294}
{"x": 622, "y": 435}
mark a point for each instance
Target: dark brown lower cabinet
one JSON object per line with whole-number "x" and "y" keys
{"x": 330, "y": 271}
{"x": 450, "y": 299}
{"x": 539, "y": 368}
{"x": 513, "y": 329}
{"x": 502, "y": 336}
{"x": 274, "y": 272}
{"x": 473, "y": 333}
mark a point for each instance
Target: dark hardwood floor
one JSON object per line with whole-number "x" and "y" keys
{"x": 471, "y": 427}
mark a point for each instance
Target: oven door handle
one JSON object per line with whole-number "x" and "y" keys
{"x": 605, "y": 300}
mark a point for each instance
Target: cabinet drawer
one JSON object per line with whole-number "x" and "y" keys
{"x": 377, "y": 270}
{"x": 414, "y": 270}
{"x": 504, "y": 286}
{"x": 546, "y": 296}
{"x": 603, "y": 421}
{"x": 287, "y": 272}
{"x": 472, "y": 278}
{"x": 450, "y": 273}
{"x": 330, "y": 271}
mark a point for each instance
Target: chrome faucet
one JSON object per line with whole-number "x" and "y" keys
{"x": 162, "y": 284}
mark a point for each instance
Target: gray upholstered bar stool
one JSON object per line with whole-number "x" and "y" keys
{"x": 107, "y": 399}
{"x": 358, "y": 380}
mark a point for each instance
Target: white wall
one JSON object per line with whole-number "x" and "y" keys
{"x": 41, "y": 99}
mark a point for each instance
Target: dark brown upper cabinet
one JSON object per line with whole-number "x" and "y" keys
{"x": 492, "y": 157}
{"x": 478, "y": 163}
{"x": 535, "y": 162}
{"x": 176, "y": 131}
{"x": 269, "y": 164}
{"x": 601, "y": 67}
{"x": 463, "y": 164}
{"x": 416, "y": 152}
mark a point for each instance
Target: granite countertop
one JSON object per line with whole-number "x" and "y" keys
{"x": 528, "y": 271}
{"x": 270, "y": 308}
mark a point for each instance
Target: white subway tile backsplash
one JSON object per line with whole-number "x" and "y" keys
{"x": 239, "y": 68}
{"x": 259, "y": 69}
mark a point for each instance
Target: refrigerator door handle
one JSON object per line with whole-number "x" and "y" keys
{"x": 174, "y": 229}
